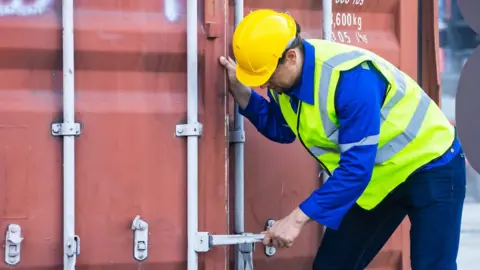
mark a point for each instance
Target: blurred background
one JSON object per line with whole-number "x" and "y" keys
{"x": 457, "y": 41}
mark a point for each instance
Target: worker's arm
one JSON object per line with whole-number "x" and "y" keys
{"x": 267, "y": 118}
{"x": 358, "y": 99}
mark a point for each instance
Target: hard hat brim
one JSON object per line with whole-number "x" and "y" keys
{"x": 251, "y": 79}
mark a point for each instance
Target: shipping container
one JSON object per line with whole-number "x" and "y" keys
{"x": 129, "y": 78}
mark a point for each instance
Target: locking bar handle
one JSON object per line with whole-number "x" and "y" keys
{"x": 221, "y": 240}
{"x": 205, "y": 241}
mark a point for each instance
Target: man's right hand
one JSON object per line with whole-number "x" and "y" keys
{"x": 240, "y": 92}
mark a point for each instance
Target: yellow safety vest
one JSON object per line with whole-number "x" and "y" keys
{"x": 413, "y": 130}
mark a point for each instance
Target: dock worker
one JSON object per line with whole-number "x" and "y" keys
{"x": 387, "y": 148}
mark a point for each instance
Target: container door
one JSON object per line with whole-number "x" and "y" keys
{"x": 130, "y": 83}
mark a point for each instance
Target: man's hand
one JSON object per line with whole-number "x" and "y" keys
{"x": 284, "y": 231}
{"x": 240, "y": 92}
{"x": 230, "y": 66}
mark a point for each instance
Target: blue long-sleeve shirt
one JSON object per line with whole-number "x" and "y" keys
{"x": 359, "y": 97}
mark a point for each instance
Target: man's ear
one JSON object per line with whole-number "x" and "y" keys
{"x": 291, "y": 56}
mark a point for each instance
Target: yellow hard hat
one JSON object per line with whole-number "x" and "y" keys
{"x": 259, "y": 42}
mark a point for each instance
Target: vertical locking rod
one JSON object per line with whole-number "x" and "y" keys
{"x": 70, "y": 240}
{"x": 239, "y": 147}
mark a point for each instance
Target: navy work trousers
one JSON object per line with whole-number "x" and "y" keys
{"x": 433, "y": 201}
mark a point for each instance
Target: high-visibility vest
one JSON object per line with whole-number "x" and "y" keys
{"x": 413, "y": 130}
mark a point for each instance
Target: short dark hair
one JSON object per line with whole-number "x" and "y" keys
{"x": 297, "y": 43}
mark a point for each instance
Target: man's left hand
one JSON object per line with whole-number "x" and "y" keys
{"x": 284, "y": 231}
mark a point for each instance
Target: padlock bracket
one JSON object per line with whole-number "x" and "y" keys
{"x": 140, "y": 239}
{"x": 13, "y": 241}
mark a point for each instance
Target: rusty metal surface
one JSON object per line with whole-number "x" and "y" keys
{"x": 130, "y": 62}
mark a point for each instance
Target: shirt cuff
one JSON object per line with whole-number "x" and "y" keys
{"x": 253, "y": 105}
{"x": 316, "y": 213}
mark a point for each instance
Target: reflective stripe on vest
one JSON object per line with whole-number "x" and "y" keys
{"x": 399, "y": 142}
{"x": 427, "y": 134}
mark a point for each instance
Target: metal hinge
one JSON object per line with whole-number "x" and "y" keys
{"x": 189, "y": 129}
{"x": 140, "y": 241}
{"x": 13, "y": 241}
{"x": 66, "y": 129}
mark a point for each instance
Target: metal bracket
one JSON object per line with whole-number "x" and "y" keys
{"x": 202, "y": 243}
{"x": 247, "y": 249}
{"x": 13, "y": 240}
{"x": 66, "y": 129}
{"x": 194, "y": 129}
{"x": 140, "y": 241}
{"x": 73, "y": 246}
{"x": 269, "y": 251}
{"x": 237, "y": 136}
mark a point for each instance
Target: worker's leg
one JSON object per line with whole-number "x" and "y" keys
{"x": 360, "y": 236}
{"x": 437, "y": 198}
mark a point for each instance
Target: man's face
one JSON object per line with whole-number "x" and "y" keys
{"x": 286, "y": 73}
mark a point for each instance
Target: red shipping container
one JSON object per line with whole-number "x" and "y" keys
{"x": 130, "y": 93}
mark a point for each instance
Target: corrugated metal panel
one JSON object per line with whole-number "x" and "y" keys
{"x": 130, "y": 60}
